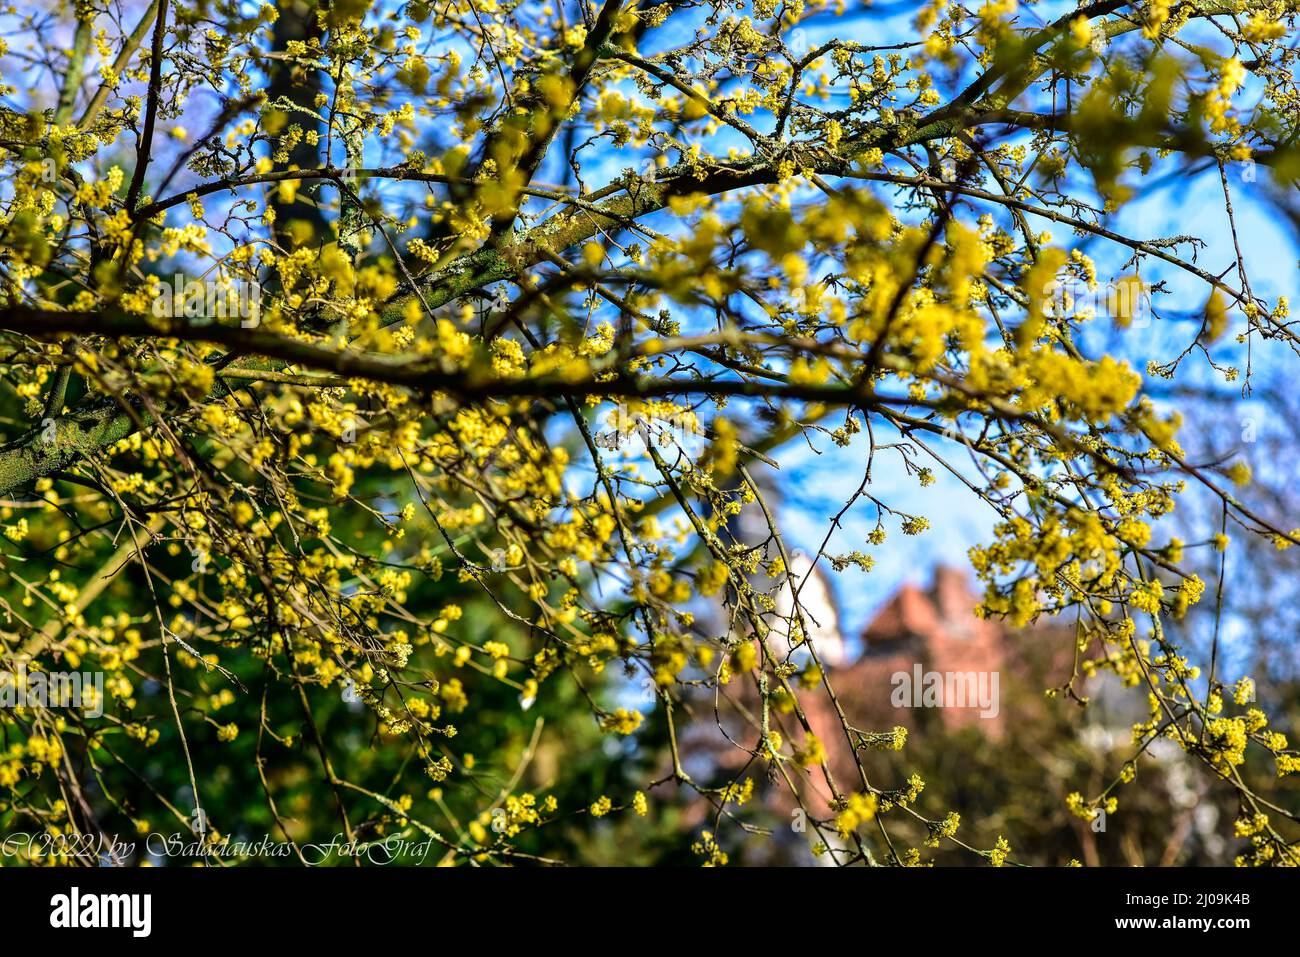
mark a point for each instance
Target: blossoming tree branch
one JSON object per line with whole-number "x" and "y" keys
{"x": 381, "y": 382}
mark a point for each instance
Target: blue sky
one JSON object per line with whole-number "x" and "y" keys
{"x": 817, "y": 486}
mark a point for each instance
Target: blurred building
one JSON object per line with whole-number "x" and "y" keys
{"x": 924, "y": 662}
{"x": 970, "y": 693}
